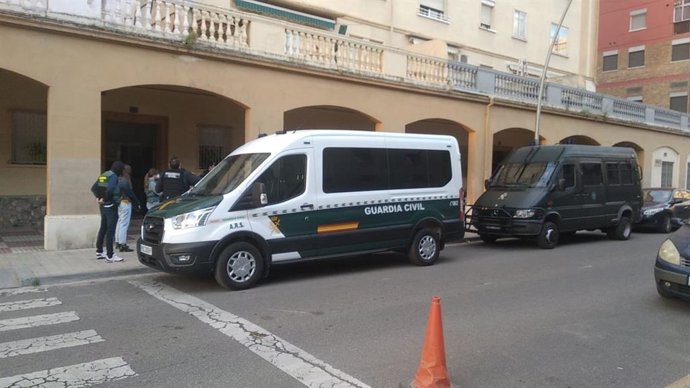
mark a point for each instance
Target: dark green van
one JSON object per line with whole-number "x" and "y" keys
{"x": 546, "y": 192}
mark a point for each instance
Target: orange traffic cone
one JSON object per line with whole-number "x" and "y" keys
{"x": 432, "y": 371}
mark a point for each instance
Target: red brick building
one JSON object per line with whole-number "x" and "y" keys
{"x": 644, "y": 51}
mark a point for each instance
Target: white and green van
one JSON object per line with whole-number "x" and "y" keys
{"x": 311, "y": 194}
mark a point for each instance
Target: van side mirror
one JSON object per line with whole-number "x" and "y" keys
{"x": 561, "y": 184}
{"x": 487, "y": 183}
{"x": 259, "y": 197}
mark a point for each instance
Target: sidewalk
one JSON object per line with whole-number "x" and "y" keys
{"x": 40, "y": 267}
{"x": 52, "y": 267}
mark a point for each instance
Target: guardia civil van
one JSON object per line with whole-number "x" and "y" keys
{"x": 311, "y": 194}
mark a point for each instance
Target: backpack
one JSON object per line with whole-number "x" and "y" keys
{"x": 102, "y": 187}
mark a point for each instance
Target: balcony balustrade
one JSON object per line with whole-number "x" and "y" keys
{"x": 237, "y": 33}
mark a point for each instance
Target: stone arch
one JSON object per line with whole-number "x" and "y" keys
{"x": 665, "y": 167}
{"x": 579, "y": 139}
{"x": 328, "y": 117}
{"x": 440, "y": 126}
{"x": 23, "y": 144}
{"x": 509, "y": 139}
{"x": 145, "y": 125}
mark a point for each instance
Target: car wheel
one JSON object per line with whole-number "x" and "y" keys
{"x": 663, "y": 292}
{"x": 239, "y": 266}
{"x": 621, "y": 231}
{"x": 665, "y": 224}
{"x": 425, "y": 248}
{"x": 488, "y": 238}
{"x": 548, "y": 237}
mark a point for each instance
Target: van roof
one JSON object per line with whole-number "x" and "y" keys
{"x": 284, "y": 139}
{"x": 546, "y": 153}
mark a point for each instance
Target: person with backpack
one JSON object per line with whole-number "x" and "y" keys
{"x": 107, "y": 192}
{"x": 176, "y": 180}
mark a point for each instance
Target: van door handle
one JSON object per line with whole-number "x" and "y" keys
{"x": 307, "y": 206}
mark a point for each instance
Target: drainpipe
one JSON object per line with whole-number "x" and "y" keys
{"x": 543, "y": 73}
{"x": 488, "y": 143}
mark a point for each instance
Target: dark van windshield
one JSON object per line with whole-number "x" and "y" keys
{"x": 523, "y": 174}
{"x": 228, "y": 174}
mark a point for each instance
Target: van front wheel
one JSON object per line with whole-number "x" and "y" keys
{"x": 425, "y": 248}
{"x": 239, "y": 266}
{"x": 621, "y": 231}
{"x": 548, "y": 237}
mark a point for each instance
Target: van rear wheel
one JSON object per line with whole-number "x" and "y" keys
{"x": 239, "y": 266}
{"x": 548, "y": 237}
{"x": 621, "y": 231}
{"x": 425, "y": 248}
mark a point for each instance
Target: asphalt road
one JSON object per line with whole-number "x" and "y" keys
{"x": 585, "y": 314}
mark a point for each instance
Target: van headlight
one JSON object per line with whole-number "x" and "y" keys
{"x": 192, "y": 219}
{"x": 524, "y": 213}
{"x": 669, "y": 253}
{"x": 651, "y": 212}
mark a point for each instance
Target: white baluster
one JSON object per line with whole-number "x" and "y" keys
{"x": 138, "y": 22}
{"x": 157, "y": 17}
{"x": 186, "y": 13}
{"x": 204, "y": 26}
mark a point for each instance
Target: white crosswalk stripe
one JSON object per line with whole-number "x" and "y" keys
{"x": 37, "y": 320}
{"x": 80, "y": 375}
{"x": 53, "y": 342}
{"x": 29, "y": 304}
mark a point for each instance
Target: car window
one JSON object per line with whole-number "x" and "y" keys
{"x": 568, "y": 174}
{"x": 612, "y": 175}
{"x": 591, "y": 174}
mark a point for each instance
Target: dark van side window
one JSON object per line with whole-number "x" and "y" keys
{"x": 591, "y": 174}
{"x": 612, "y": 174}
{"x": 365, "y": 169}
{"x": 568, "y": 174}
{"x": 626, "y": 173}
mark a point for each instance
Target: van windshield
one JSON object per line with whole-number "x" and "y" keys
{"x": 523, "y": 174}
{"x": 228, "y": 174}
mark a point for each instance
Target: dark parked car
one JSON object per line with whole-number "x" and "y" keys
{"x": 664, "y": 208}
{"x": 672, "y": 268}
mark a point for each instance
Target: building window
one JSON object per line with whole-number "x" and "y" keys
{"x": 681, "y": 12}
{"x": 519, "y": 20}
{"x": 634, "y": 99}
{"x": 434, "y": 9}
{"x": 666, "y": 174}
{"x": 211, "y": 145}
{"x": 610, "y": 61}
{"x": 638, "y": 20}
{"x": 679, "y": 102}
{"x": 487, "y": 15}
{"x": 561, "y": 46}
{"x": 680, "y": 50}
{"x": 636, "y": 56}
{"x": 29, "y": 139}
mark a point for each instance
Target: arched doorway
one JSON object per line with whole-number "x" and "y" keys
{"x": 445, "y": 127}
{"x": 509, "y": 139}
{"x": 327, "y": 117}
{"x": 639, "y": 151}
{"x": 579, "y": 139}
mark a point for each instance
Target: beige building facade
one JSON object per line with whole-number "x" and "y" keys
{"x": 143, "y": 81}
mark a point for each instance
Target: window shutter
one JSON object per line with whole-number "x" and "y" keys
{"x": 435, "y": 4}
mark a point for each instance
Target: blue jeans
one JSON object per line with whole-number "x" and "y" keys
{"x": 124, "y": 215}
{"x": 107, "y": 230}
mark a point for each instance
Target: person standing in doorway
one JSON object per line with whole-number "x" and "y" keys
{"x": 107, "y": 193}
{"x": 175, "y": 181}
{"x": 124, "y": 215}
{"x": 153, "y": 197}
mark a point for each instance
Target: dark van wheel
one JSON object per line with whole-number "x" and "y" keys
{"x": 239, "y": 266}
{"x": 548, "y": 237}
{"x": 665, "y": 224}
{"x": 425, "y": 248}
{"x": 621, "y": 231}
{"x": 488, "y": 238}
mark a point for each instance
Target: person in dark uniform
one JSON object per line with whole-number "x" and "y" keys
{"x": 175, "y": 181}
{"x": 107, "y": 192}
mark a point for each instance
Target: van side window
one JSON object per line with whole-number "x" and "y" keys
{"x": 354, "y": 169}
{"x": 591, "y": 174}
{"x": 411, "y": 169}
{"x": 568, "y": 174}
{"x": 626, "y": 173}
{"x": 285, "y": 178}
{"x": 612, "y": 174}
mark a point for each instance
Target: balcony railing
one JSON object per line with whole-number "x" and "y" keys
{"x": 236, "y": 33}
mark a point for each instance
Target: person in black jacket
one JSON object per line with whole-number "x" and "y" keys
{"x": 107, "y": 193}
{"x": 175, "y": 181}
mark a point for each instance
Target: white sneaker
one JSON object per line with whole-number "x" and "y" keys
{"x": 100, "y": 255}
{"x": 114, "y": 259}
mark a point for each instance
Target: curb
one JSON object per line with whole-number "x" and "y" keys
{"x": 29, "y": 279}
